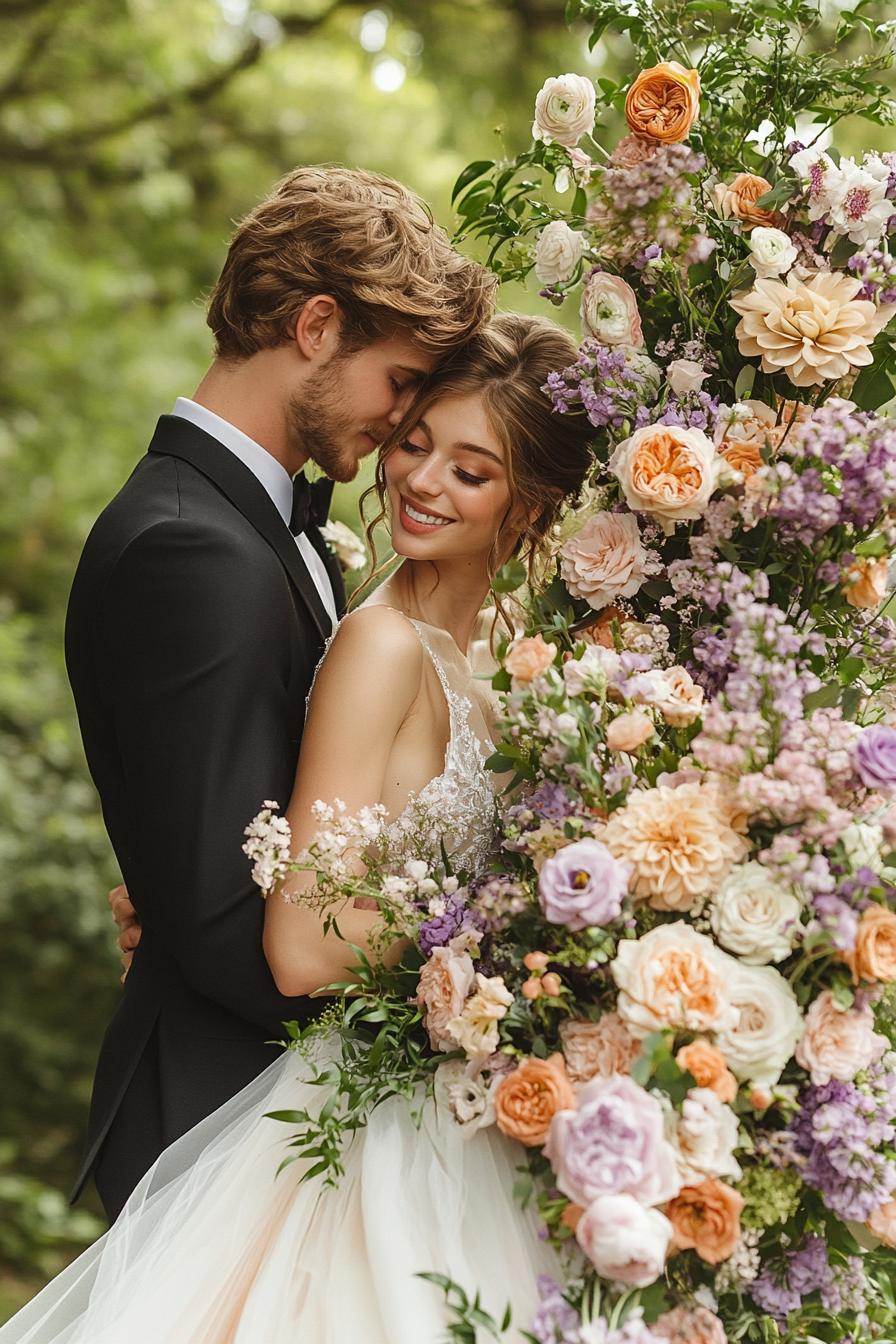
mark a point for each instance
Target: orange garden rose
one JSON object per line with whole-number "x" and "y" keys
{"x": 738, "y": 201}
{"x": 528, "y": 1099}
{"x": 874, "y": 957}
{"x": 865, "y": 583}
{"x": 664, "y": 102}
{"x": 706, "y": 1065}
{"x": 706, "y": 1219}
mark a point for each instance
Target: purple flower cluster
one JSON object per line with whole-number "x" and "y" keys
{"x": 497, "y": 899}
{"x": 609, "y": 384}
{"x": 549, "y": 802}
{"x": 697, "y": 410}
{"x": 555, "y": 1322}
{"x": 837, "y": 468}
{"x": 842, "y": 1287}
{"x": 877, "y": 271}
{"x": 456, "y": 916}
{"x": 663, "y": 174}
{"x": 837, "y": 1137}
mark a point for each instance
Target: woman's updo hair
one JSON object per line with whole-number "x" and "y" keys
{"x": 547, "y": 454}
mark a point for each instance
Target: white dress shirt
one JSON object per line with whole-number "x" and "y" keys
{"x": 272, "y": 475}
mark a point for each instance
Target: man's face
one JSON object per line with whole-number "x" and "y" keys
{"x": 349, "y": 406}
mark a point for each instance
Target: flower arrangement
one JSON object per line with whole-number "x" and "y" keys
{"x": 675, "y": 988}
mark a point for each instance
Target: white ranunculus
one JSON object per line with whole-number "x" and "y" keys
{"x": 609, "y": 310}
{"x": 769, "y": 1023}
{"x": 685, "y": 375}
{"x": 557, "y": 252}
{"x": 564, "y": 110}
{"x": 754, "y": 916}
{"x": 704, "y": 1138}
{"x": 771, "y": 252}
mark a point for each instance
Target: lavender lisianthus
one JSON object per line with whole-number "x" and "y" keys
{"x": 555, "y": 1321}
{"x": 875, "y": 758}
{"x": 583, "y": 885}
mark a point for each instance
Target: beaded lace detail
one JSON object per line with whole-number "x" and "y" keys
{"x": 456, "y": 810}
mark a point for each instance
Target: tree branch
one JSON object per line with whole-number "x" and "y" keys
{"x": 35, "y": 46}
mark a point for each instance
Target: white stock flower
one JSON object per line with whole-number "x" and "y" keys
{"x": 704, "y": 1137}
{"x": 564, "y": 110}
{"x": 685, "y": 375}
{"x": 769, "y": 1023}
{"x": 754, "y": 916}
{"x": 348, "y": 548}
{"x": 557, "y": 252}
{"x": 771, "y": 251}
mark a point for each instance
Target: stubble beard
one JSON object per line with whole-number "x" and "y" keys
{"x": 321, "y": 429}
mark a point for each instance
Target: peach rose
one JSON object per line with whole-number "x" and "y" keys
{"x": 597, "y": 1049}
{"x": 672, "y": 976}
{"x": 742, "y": 438}
{"x": 667, "y": 472}
{"x": 706, "y": 1218}
{"x": 445, "y": 981}
{"x": 627, "y": 732}
{"x": 837, "y": 1043}
{"x": 605, "y": 559}
{"x": 690, "y": 1325}
{"x": 609, "y": 310}
{"x": 882, "y": 1223}
{"x": 738, "y": 201}
{"x": 664, "y": 102}
{"x": 865, "y": 583}
{"x": 632, "y": 150}
{"x": 682, "y": 706}
{"x": 706, "y": 1065}
{"x": 874, "y": 957}
{"x": 528, "y": 1099}
{"x": 529, "y": 658}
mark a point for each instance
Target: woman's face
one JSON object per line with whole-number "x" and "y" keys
{"x": 447, "y": 484}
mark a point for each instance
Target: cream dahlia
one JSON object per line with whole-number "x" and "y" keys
{"x": 812, "y": 330}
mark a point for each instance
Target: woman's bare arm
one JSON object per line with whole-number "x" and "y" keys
{"x": 366, "y": 686}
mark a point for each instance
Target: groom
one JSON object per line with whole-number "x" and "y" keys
{"x": 200, "y": 609}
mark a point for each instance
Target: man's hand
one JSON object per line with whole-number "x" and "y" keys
{"x": 129, "y": 930}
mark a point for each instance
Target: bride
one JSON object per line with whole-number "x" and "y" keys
{"x": 214, "y": 1247}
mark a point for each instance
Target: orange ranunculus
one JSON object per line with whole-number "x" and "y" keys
{"x": 706, "y": 1065}
{"x": 874, "y": 957}
{"x": 738, "y": 200}
{"x": 664, "y": 102}
{"x": 706, "y": 1218}
{"x": 528, "y": 1099}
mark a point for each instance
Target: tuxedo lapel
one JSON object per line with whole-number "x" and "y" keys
{"x": 180, "y": 438}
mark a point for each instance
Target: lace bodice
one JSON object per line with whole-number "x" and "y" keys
{"x": 455, "y": 811}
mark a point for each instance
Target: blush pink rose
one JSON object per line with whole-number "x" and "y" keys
{"x": 445, "y": 981}
{"x": 625, "y": 1242}
{"x": 837, "y": 1043}
{"x": 610, "y": 310}
{"x": 629, "y": 731}
{"x": 597, "y": 1049}
{"x": 529, "y": 658}
{"x": 605, "y": 560}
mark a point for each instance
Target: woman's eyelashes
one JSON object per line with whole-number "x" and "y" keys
{"x": 417, "y": 450}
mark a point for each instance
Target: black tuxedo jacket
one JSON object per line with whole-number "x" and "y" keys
{"x": 193, "y": 633}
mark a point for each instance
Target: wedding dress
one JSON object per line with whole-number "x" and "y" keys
{"x": 214, "y": 1247}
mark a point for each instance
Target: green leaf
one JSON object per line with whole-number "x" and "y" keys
{"x": 469, "y": 174}
{"x": 873, "y": 387}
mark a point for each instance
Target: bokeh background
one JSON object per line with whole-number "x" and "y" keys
{"x": 132, "y": 134}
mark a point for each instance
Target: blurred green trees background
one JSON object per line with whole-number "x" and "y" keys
{"x": 132, "y": 132}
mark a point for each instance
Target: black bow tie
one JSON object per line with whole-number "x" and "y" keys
{"x": 310, "y": 502}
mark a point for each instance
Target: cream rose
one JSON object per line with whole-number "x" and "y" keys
{"x": 627, "y": 732}
{"x": 625, "y": 1242}
{"x": 681, "y": 705}
{"x": 475, "y": 1029}
{"x": 754, "y": 916}
{"x": 771, "y": 251}
{"x": 673, "y": 977}
{"x": 677, "y": 841}
{"x": 597, "y": 1049}
{"x": 685, "y": 375}
{"x": 667, "y": 472}
{"x": 704, "y": 1137}
{"x": 767, "y": 1026}
{"x": 605, "y": 560}
{"x": 609, "y": 310}
{"x": 838, "y": 1043}
{"x": 445, "y": 981}
{"x": 557, "y": 253}
{"x": 564, "y": 110}
{"x": 813, "y": 330}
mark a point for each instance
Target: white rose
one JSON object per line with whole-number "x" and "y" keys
{"x": 557, "y": 252}
{"x": 863, "y": 842}
{"x": 754, "y": 916}
{"x": 667, "y": 472}
{"x": 625, "y": 1242}
{"x": 348, "y": 548}
{"x": 705, "y": 1137}
{"x": 769, "y": 1023}
{"x": 771, "y": 252}
{"x": 564, "y": 110}
{"x": 684, "y": 376}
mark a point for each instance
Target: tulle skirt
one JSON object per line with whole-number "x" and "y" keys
{"x": 214, "y": 1247}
